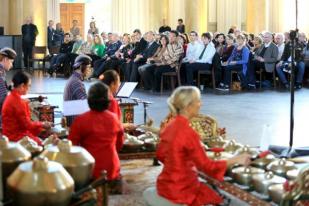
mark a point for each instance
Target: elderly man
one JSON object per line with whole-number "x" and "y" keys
{"x": 265, "y": 57}
{"x": 29, "y": 32}
{"x": 7, "y": 56}
{"x": 279, "y": 40}
{"x": 75, "y": 89}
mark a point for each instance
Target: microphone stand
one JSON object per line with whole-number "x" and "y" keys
{"x": 294, "y": 41}
{"x": 145, "y": 105}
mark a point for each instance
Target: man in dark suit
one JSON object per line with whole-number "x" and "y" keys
{"x": 50, "y": 34}
{"x": 132, "y": 74}
{"x": 29, "y": 32}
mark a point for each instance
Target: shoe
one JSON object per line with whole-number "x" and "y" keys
{"x": 223, "y": 87}
{"x": 287, "y": 86}
{"x": 298, "y": 86}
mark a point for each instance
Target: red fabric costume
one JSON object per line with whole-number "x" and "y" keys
{"x": 16, "y": 121}
{"x": 101, "y": 134}
{"x": 114, "y": 107}
{"x": 182, "y": 154}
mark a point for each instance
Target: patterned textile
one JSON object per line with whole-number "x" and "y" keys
{"x": 74, "y": 90}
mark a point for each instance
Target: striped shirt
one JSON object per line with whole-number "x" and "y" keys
{"x": 74, "y": 90}
{"x": 172, "y": 54}
{"x": 3, "y": 89}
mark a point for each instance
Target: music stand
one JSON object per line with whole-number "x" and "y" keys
{"x": 126, "y": 89}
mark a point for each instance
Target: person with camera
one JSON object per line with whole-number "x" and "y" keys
{"x": 285, "y": 64}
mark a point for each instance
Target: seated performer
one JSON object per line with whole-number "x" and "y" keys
{"x": 112, "y": 80}
{"x": 74, "y": 88}
{"x": 182, "y": 155}
{"x": 100, "y": 133}
{"x": 16, "y": 122}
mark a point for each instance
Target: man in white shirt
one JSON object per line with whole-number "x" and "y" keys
{"x": 279, "y": 40}
{"x": 204, "y": 58}
{"x": 193, "y": 47}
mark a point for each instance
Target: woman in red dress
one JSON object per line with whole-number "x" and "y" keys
{"x": 112, "y": 80}
{"x": 16, "y": 116}
{"x": 99, "y": 132}
{"x": 182, "y": 155}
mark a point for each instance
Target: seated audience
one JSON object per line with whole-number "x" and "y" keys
{"x": 74, "y": 88}
{"x": 285, "y": 65}
{"x": 131, "y": 73}
{"x": 64, "y": 52}
{"x": 100, "y": 133}
{"x": 257, "y": 43}
{"x": 147, "y": 77}
{"x": 170, "y": 59}
{"x": 16, "y": 115}
{"x": 237, "y": 62}
{"x": 265, "y": 57}
{"x": 181, "y": 152}
{"x": 101, "y": 65}
{"x": 279, "y": 41}
{"x": 220, "y": 42}
{"x": 204, "y": 60}
{"x": 98, "y": 48}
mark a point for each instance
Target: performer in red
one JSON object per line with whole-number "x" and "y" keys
{"x": 112, "y": 80}
{"x": 99, "y": 132}
{"x": 16, "y": 121}
{"x": 182, "y": 155}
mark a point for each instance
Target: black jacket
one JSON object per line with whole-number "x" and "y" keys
{"x": 29, "y": 33}
{"x": 139, "y": 48}
{"x": 50, "y": 36}
{"x": 66, "y": 48}
{"x": 149, "y": 52}
{"x": 298, "y": 52}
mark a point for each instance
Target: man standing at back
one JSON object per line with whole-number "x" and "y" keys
{"x": 29, "y": 32}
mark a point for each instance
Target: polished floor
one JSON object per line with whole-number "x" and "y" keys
{"x": 254, "y": 118}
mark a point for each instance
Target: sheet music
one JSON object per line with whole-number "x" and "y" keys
{"x": 126, "y": 89}
{"x": 75, "y": 107}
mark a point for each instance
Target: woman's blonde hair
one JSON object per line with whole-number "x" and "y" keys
{"x": 182, "y": 97}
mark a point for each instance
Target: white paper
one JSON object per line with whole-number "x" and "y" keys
{"x": 126, "y": 89}
{"x": 75, "y": 107}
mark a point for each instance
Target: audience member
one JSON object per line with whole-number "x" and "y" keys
{"x": 29, "y": 32}
{"x": 75, "y": 29}
{"x": 181, "y": 27}
{"x": 93, "y": 29}
{"x": 204, "y": 60}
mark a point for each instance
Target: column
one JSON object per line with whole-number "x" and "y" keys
{"x": 229, "y": 13}
{"x": 196, "y": 17}
{"x": 4, "y": 20}
{"x": 256, "y": 16}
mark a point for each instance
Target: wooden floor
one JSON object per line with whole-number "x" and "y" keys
{"x": 248, "y": 116}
